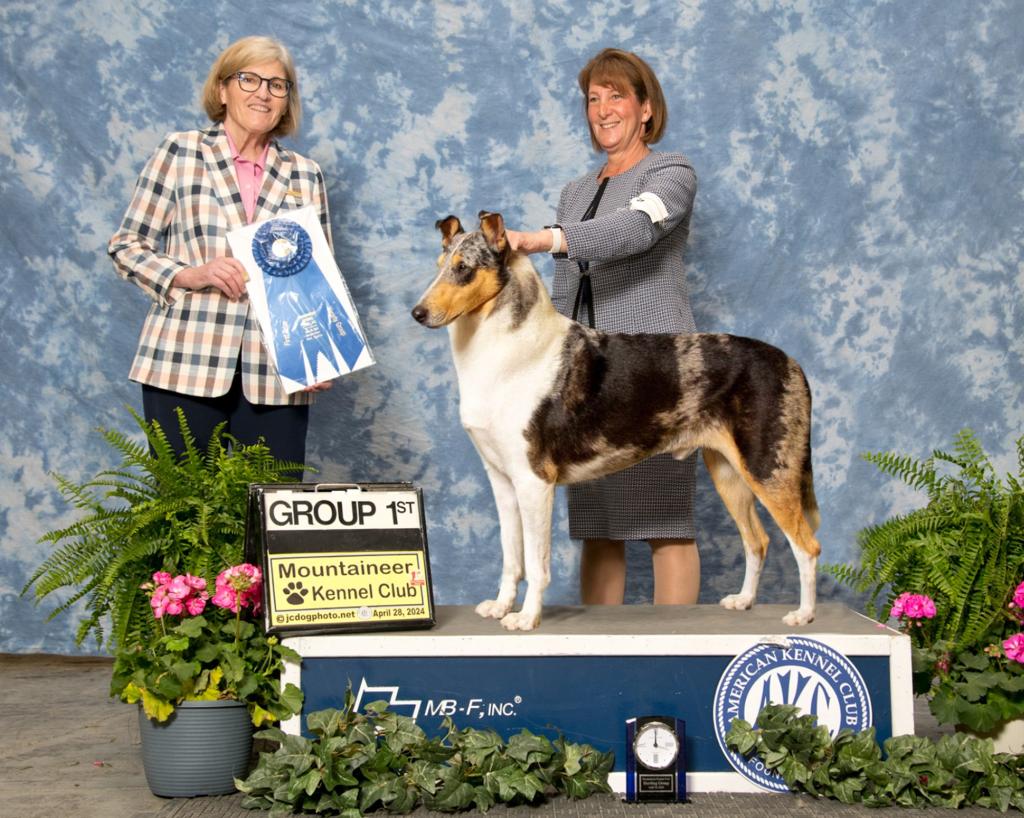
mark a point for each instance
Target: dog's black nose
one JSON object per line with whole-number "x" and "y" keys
{"x": 419, "y": 312}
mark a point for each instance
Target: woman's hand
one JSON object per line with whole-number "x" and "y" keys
{"x": 319, "y": 387}
{"x": 538, "y": 241}
{"x": 224, "y": 274}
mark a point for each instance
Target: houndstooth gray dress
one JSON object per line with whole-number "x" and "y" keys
{"x": 636, "y": 271}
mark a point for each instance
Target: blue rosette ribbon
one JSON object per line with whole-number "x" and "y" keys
{"x": 307, "y": 318}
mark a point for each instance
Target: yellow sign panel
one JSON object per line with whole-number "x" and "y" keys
{"x": 326, "y": 588}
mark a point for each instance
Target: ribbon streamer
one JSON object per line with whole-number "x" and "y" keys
{"x": 307, "y": 317}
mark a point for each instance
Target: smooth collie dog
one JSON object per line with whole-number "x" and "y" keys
{"x": 548, "y": 401}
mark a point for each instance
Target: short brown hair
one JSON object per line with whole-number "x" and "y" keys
{"x": 624, "y": 70}
{"x": 249, "y": 51}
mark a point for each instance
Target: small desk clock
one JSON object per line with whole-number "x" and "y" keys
{"x": 655, "y": 759}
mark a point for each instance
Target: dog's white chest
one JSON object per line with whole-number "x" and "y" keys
{"x": 501, "y": 383}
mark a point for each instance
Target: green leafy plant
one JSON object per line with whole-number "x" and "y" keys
{"x": 911, "y": 771}
{"x": 207, "y": 657}
{"x": 150, "y": 534}
{"x": 964, "y": 550}
{"x": 360, "y": 762}
{"x": 153, "y": 512}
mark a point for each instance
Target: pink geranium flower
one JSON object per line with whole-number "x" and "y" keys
{"x": 158, "y": 602}
{"x": 913, "y": 606}
{"x": 195, "y": 605}
{"x": 162, "y": 578}
{"x": 239, "y": 587}
{"x": 176, "y": 595}
{"x": 178, "y": 588}
{"x": 1014, "y": 648}
{"x": 1018, "y": 596}
{"x": 196, "y": 583}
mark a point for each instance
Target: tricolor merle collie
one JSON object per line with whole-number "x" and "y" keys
{"x": 548, "y": 401}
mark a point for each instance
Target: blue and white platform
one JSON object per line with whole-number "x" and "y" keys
{"x": 587, "y": 670}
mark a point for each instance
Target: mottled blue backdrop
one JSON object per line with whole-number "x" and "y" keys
{"x": 860, "y": 205}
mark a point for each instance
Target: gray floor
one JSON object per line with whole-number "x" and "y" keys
{"x": 70, "y": 750}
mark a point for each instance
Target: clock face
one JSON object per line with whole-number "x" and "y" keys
{"x": 656, "y": 745}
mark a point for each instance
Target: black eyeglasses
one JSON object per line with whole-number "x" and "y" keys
{"x": 249, "y": 82}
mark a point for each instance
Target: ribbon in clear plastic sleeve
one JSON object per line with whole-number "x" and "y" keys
{"x": 310, "y": 330}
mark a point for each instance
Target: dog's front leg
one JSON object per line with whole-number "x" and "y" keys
{"x": 536, "y": 499}
{"x": 511, "y": 545}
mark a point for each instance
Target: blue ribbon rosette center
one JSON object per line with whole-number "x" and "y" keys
{"x": 307, "y": 317}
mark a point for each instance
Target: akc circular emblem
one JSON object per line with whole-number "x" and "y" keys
{"x": 802, "y": 672}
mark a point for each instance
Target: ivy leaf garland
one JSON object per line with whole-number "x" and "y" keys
{"x": 382, "y": 760}
{"x": 910, "y": 771}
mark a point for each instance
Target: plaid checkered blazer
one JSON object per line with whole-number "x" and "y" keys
{"x": 185, "y": 202}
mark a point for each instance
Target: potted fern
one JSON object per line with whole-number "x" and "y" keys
{"x": 952, "y": 574}
{"x": 153, "y": 535}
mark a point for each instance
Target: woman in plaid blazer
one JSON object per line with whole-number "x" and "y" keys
{"x": 200, "y": 346}
{"x": 618, "y": 245}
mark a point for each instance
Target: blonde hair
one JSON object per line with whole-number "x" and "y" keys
{"x": 625, "y": 71}
{"x": 250, "y": 51}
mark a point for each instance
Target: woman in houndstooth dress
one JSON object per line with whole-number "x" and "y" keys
{"x": 631, "y": 248}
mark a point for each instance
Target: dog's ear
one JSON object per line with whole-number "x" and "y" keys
{"x": 493, "y": 228}
{"x": 450, "y": 227}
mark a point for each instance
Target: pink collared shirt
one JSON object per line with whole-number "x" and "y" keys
{"x": 249, "y": 175}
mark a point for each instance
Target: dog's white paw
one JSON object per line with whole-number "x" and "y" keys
{"x": 799, "y": 617}
{"x": 737, "y": 602}
{"x": 521, "y": 621}
{"x": 493, "y": 609}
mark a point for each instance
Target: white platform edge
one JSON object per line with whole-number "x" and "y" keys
{"x": 499, "y": 644}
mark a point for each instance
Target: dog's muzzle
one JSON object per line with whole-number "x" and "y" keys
{"x": 420, "y": 313}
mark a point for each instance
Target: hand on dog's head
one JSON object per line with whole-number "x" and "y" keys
{"x": 492, "y": 226}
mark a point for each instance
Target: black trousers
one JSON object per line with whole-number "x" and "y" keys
{"x": 283, "y": 428}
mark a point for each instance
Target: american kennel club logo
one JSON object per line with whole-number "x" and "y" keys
{"x": 798, "y": 671}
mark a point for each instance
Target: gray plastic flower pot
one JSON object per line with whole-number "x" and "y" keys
{"x": 199, "y": 750}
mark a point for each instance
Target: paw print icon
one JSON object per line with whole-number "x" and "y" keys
{"x": 295, "y": 594}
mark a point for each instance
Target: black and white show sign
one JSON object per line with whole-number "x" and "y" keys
{"x": 340, "y": 558}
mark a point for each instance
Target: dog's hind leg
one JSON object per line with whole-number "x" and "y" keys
{"x": 786, "y": 508}
{"x": 511, "y": 545}
{"x": 739, "y": 501}
{"x": 536, "y": 499}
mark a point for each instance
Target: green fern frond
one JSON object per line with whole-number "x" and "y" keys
{"x": 154, "y": 511}
{"x": 915, "y": 473}
{"x": 964, "y": 548}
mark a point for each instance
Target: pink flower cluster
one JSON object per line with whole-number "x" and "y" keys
{"x": 239, "y": 587}
{"x": 1014, "y": 648}
{"x": 1018, "y": 598}
{"x": 176, "y": 595}
{"x": 913, "y": 606}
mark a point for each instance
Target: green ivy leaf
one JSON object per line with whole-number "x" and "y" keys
{"x": 382, "y": 788}
{"x": 477, "y": 745}
{"x": 741, "y": 737}
{"x": 529, "y": 748}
